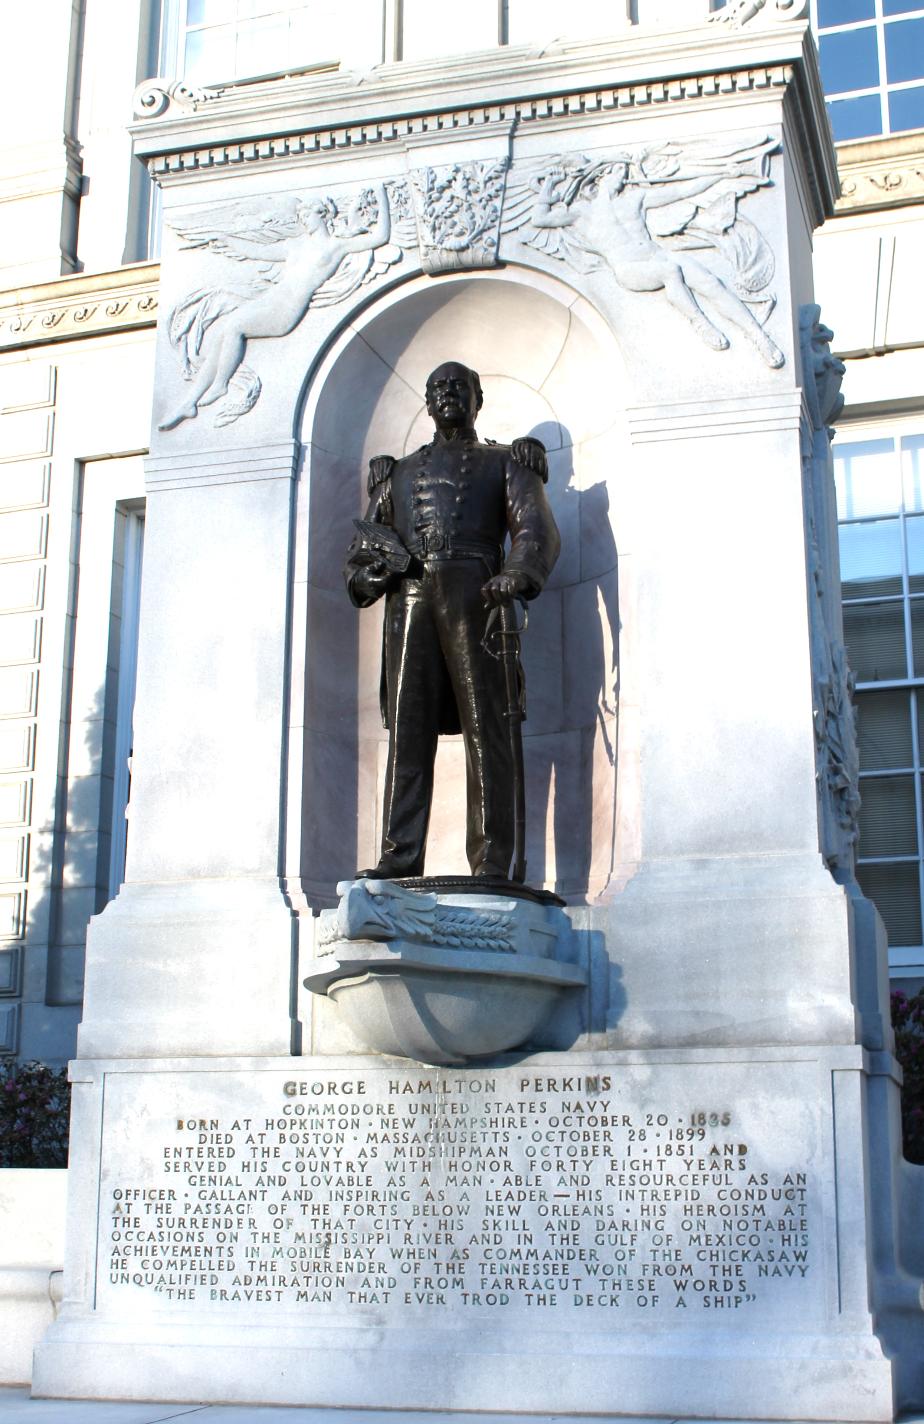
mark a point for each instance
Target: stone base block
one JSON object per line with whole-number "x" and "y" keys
{"x": 485, "y": 1372}
{"x": 26, "y": 1311}
{"x": 669, "y": 1232}
{"x": 216, "y": 957}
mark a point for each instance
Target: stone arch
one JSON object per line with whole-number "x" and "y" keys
{"x": 549, "y": 367}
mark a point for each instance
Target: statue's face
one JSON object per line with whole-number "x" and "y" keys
{"x": 313, "y": 216}
{"x": 452, "y": 396}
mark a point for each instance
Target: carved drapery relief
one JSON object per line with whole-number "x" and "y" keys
{"x": 642, "y": 212}
{"x": 458, "y": 212}
{"x": 837, "y": 761}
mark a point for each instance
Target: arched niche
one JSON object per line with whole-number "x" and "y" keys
{"x": 549, "y": 367}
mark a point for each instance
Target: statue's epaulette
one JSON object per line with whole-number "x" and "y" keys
{"x": 380, "y": 467}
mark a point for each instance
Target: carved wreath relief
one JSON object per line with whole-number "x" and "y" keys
{"x": 383, "y": 910}
{"x": 459, "y": 214}
{"x": 638, "y": 216}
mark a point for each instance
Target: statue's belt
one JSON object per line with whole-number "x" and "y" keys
{"x": 435, "y": 544}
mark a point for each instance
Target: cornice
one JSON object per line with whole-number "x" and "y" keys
{"x": 44, "y": 166}
{"x": 296, "y": 117}
{"x": 238, "y": 465}
{"x": 881, "y": 172}
{"x": 80, "y": 305}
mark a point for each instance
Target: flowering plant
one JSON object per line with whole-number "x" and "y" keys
{"x": 908, "y": 1023}
{"x": 34, "y": 1115}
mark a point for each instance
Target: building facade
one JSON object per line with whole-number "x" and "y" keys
{"x": 78, "y": 307}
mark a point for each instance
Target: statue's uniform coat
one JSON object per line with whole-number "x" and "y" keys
{"x": 453, "y": 503}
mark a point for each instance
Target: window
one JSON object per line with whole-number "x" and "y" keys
{"x": 217, "y": 41}
{"x": 123, "y": 661}
{"x": 872, "y": 64}
{"x": 880, "y": 497}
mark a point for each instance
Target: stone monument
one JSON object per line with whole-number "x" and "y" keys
{"x": 675, "y": 1186}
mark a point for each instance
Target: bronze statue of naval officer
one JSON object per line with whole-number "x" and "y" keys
{"x": 433, "y": 542}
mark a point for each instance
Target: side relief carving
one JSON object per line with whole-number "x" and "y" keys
{"x": 836, "y": 741}
{"x": 458, "y": 212}
{"x": 837, "y": 761}
{"x": 383, "y": 910}
{"x": 642, "y": 213}
{"x": 823, "y": 371}
{"x": 313, "y": 256}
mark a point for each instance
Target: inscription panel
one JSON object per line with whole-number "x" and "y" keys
{"x": 663, "y": 1192}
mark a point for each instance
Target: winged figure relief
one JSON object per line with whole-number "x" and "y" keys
{"x": 642, "y": 214}
{"x": 313, "y": 257}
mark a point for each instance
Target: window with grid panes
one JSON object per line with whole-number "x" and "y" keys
{"x": 872, "y": 64}
{"x": 212, "y": 41}
{"x": 880, "y": 496}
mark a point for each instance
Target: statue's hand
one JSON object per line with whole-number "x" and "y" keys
{"x": 531, "y": 453}
{"x": 372, "y": 580}
{"x": 504, "y": 588}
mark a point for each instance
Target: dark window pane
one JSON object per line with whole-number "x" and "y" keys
{"x": 884, "y": 730}
{"x": 871, "y": 558}
{"x": 917, "y": 635}
{"x": 906, "y": 109}
{"x": 875, "y": 638}
{"x": 887, "y": 821}
{"x": 842, "y": 12}
{"x": 897, "y": 7}
{"x": 914, "y": 543}
{"x": 919, "y": 699}
{"x": 855, "y": 118}
{"x": 849, "y": 60}
{"x": 893, "y": 889}
{"x": 904, "y": 47}
{"x": 866, "y": 474}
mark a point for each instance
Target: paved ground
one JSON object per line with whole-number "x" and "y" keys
{"x": 17, "y": 1408}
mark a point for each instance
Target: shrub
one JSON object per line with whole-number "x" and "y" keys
{"x": 908, "y": 1023}
{"x": 34, "y": 1115}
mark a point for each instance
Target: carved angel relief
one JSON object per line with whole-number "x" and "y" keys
{"x": 314, "y": 257}
{"x": 639, "y": 214}
{"x": 642, "y": 212}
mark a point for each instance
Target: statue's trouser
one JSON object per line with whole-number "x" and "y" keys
{"x": 434, "y": 627}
